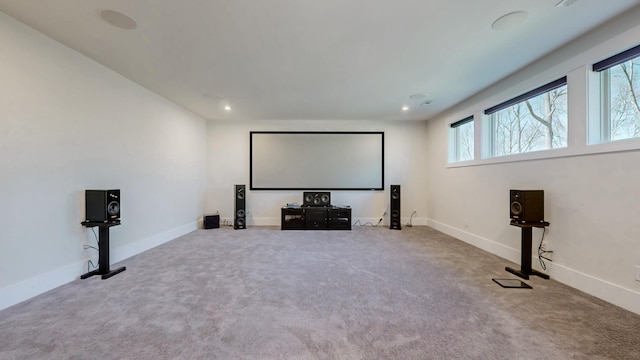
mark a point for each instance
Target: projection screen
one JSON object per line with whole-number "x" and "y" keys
{"x": 290, "y": 160}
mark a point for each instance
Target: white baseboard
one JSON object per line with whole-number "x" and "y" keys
{"x": 491, "y": 246}
{"x": 129, "y": 250}
{"x": 625, "y": 298}
{"x": 15, "y": 293}
{"x": 26, "y": 289}
{"x": 615, "y": 294}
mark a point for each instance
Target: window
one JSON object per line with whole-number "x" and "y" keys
{"x": 536, "y": 120}
{"x": 619, "y": 97}
{"x": 461, "y": 139}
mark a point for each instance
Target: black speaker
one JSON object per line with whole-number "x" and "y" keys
{"x": 211, "y": 221}
{"x": 240, "y": 215}
{"x": 526, "y": 206}
{"x": 102, "y": 205}
{"x": 395, "y": 222}
{"x": 311, "y": 198}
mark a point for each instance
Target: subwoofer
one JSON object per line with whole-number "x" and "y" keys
{"x": 211, "y": 221}
{"x": 102, "y": 205}
{"x": 311, "y": 198}
{"x": 395, "y": 222}
{"x": 526, "y": 206}
{"x": 240, "y": 214}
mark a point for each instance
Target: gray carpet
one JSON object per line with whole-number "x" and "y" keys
{"x": 262, "y": 293}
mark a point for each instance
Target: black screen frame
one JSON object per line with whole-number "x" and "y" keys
{"x": 251, "y": 165}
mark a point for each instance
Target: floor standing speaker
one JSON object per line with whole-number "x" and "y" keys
{"x": 526, "y": 206}
{"x": 102, "y": 205}
{"x": 395, "y": 208}
{"x": 240, "y": 215}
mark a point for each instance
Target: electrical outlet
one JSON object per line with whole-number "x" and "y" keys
{"x": 637, "y": 272}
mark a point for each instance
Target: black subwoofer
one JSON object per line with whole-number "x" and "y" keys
{"x": 211, "y": 221}
{"x": 240, "y": 215}
{"x": 395, "y": 208}
{"x": 311, "y": 198}
{"x": 526, "y": 206}
{"x": 102, "y": 205}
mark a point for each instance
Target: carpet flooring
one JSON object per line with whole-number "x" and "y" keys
{"x": 263, "y": 293}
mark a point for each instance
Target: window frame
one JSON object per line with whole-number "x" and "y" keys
{"x": 455, "y": 141}
{"x": 601, "y": 130}
{"x": 488, "y": 136}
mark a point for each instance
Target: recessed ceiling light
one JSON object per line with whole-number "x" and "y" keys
{"x": 227, "y": 108}
{"x": 417, "y": 96}
{"x": 118, "y": 19}
{"x": 405, "y": 108}
{"x": 510, "y": 20}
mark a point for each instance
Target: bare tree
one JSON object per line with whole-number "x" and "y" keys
{"x": 547, "y": 116}
{"x": 623, "y": 109}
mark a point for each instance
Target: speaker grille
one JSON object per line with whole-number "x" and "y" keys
{"x": 308, "y": 198}
{"x": 113, "y": 209}
{"x": 516, "y": 208}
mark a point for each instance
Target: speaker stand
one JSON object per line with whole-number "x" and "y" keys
{"x": 103, "y": 250}
{"x": 525, "y": 258}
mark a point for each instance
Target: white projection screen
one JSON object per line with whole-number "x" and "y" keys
{"x": 316, "y": 160}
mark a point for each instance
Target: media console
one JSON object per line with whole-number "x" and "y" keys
{"x": 315, "y": 218}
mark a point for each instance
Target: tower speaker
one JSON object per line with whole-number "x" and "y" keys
{"x": 240, "y": 215}
{"x": 102, "y": 205}
{"x": 395, "y": 208}
{"x": 526, "y": 206}
{"x": 311, "y": 198}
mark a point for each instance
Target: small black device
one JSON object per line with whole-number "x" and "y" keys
{"x": 102, "y": 205}
{"x": 211, "y": 221}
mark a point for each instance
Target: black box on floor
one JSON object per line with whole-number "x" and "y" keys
{"x": 211, "y": 221}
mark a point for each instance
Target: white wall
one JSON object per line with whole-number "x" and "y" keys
{"x": 68, "y": 124}
{"x": 228, "y": 164}
{"x": 591, "y": 200}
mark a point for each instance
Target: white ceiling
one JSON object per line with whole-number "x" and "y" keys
{"x": 321, "y": 59}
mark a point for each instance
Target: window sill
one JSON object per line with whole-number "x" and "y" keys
{"x": 583, "y": 150}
